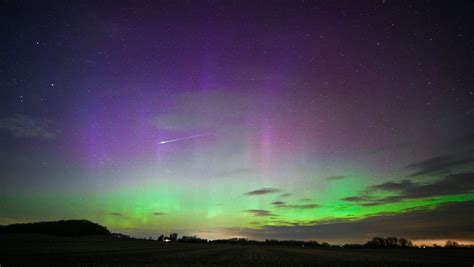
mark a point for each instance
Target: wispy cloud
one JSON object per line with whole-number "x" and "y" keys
{"x": 440, "y": 164}
{"x": 278, "y": 203}
{"x": 393, "y": 186}
{"x": 159, "y": 213}
{"x": 22, "y": 126}
{"x": 262, "y": 191}
{"x": 446, "y": 221}
{"x": 356, "y": 198}
{"x": 260, "y": 213}
{"x": 118, "y": 214}
{"x": 450, "y": 174}
{"x": 455, "y": 184}
{"x": 282, "y": 204}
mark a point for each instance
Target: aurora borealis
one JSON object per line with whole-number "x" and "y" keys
{"x": 332, "y": 121}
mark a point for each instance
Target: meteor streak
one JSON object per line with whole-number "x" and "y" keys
{"x": 183, "y": 138}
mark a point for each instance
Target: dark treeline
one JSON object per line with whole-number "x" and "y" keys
{"x": 389, "y": 242}
{"x": 78, "y": 228}
{"x": 59, "y": 228}
{"x": 376, "y": 242}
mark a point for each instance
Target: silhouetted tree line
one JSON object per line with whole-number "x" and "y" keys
{"x": 192, "y": 239}
{"x": 87, "y": 228}
{"x": 184, "y": 239}
{"x": 60, "y": 228}
{"x": 376, "y": 242}
{"x": 172, "y": 238}
{"x": 389, "y": 242}
{"x": 454, "y": 244}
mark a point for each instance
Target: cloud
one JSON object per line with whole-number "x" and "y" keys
{"x": 393, "y": 186}
{"x": 446, "y": 221}
{"x": 356, "y": 198}
{"x": 118, "y": 214}
{"x": 440, "y": 164}
{"x": 451, "y": 185}
{"x": 278, "y": 203}
{"x": 454, "y": 184}
{"x": 455, "y": 170}
{"x": 282, "y": 204}
{"x": 260, "y": 213}
{"x": 286, "y": 195}
{"x": 304, "y": 206}
{"x": 262, "y": 191}
{"x": 159, "y": 213}
{"x": 332, "y": 178}
{"x": 22, "y": 126}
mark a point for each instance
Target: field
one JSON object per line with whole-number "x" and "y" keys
{"x": 30, "y": 250}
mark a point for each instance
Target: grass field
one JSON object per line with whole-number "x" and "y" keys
{"x": 54, "y": 251}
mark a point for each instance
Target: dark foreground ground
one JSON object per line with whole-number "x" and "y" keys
{"x": 30, "y": 250}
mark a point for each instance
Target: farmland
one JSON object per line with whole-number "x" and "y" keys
{"x": 100, "y": 251}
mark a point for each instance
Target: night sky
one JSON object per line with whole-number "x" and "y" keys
{"x": 317, "y": 120}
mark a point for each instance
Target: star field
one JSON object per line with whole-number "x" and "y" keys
{"x": 289, "y": 120}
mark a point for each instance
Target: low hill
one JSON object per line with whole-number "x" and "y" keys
{"x": 60, "y": 228}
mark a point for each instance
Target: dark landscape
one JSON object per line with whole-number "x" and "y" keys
{"x": 236, "y": 133}
{"x": 106, "y": 249}
{"x": 90, "y": 251}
